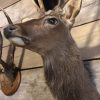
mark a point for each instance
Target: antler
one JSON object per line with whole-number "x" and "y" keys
{"x": 11, "y": 77}
{"x": 10, "y": 57}
{"x": 39, "y": 5}
{"x": 8, "y": 18}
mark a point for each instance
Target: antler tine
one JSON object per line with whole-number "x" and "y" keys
{"x": 34, "y": 3}
{"x": 41, "y": 4}
{"x": 7, "y": 16}
{"x": 61, "y": 3}
{"x": 10, "y": 57}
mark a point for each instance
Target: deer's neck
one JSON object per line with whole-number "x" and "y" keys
{"x": 66, "y": 76}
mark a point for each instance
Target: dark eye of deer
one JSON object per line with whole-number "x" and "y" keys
{"x": 52, "y": 21}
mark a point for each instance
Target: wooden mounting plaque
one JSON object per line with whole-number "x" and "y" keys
{"x": 8, "y": 87}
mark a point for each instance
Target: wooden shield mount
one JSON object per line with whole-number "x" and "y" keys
{"x": 10, "y": 76}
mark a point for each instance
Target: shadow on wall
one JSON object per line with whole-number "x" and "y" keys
{"x": 93, "y": 66}
{"x": 91, "y": 34}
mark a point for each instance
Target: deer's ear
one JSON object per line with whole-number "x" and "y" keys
{"x": 71, "y": 9}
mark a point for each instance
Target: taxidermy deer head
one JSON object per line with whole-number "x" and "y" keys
{"x": 60, "y": 19}
{"x": 49, "y": 35}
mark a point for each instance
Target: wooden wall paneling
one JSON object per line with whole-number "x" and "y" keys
{"x": 14, "y": 13}
{"x": 88, "y": 14}
{"x": 7, "y": 3}
{"x": 95, "y": 66}
{"x": 30, "y": 60}
{"x": 28, "y": 10}
{"x": 88, "y": 2}
{"x": 18, "y": 11}
{"x": 87, "y": 38}
{"x": 33, "y": 87}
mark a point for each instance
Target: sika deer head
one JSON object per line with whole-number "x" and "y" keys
{"x": 49, "y": 30}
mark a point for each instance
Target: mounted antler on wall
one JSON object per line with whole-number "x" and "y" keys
{"x": 11, "y": 77}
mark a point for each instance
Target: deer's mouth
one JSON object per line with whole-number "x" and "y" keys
{"x": 13, "y": 36}
{"x": 20, "y": 40}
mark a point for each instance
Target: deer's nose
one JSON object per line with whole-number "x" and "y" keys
{"x": 9, "y": 30}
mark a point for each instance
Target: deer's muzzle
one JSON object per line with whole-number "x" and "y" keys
{"x": 12, "y": 33}
{"x": 9, "y": 30}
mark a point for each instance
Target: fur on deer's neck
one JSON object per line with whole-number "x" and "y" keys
{"x": 66, "y": 76}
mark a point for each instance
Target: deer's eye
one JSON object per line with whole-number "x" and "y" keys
{"x": 52, "y": 21}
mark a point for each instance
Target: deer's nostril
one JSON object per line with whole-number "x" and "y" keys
{"x": 11, "y": 28}
{"x": 8, "y": 31}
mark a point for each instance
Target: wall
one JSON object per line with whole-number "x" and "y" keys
{"x": 85, "y": 32}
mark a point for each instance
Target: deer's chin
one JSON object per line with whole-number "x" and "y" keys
{"x": 17, "y": 41}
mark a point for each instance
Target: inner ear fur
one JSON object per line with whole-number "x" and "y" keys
{"x": 71, "y": 9}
